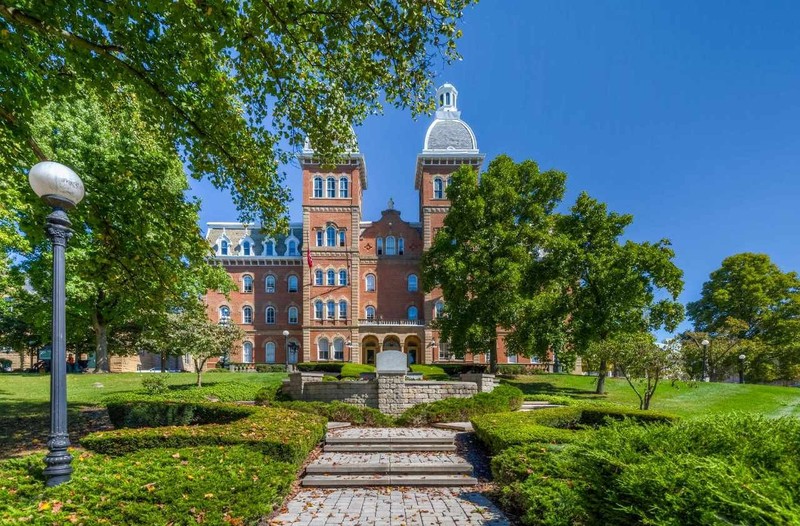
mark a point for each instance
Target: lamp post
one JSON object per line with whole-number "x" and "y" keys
{"x": 62, "y": 189}
{"x": 286, "y": 348}
{"x": 705, "y": 344}
{"x": 741, "y": 368}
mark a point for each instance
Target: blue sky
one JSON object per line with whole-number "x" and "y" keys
{"x": 684, "y": 114}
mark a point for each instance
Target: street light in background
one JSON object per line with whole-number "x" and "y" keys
{"x": 286, "y": 348}
{"x": 62, "y": 189}
{"x": 741, "y": 368}
{"x": 705, "y": 344}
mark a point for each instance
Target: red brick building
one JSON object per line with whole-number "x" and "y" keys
{"x": 361, "y": 292}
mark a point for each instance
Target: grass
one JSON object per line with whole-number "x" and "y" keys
{"x": 430, "y": 372}
{"x": 683, "y": 399}
{"x": 354, "y": 370}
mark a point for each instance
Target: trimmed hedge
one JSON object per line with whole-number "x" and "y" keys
{"x": 222, "y": 391}
{"x": 430, "y": 372}
{"x": 341, "y": 412}
{"x": 503, "y": 398}
{"x": 279, "y": 433}
{"x": 556, "y": 425}
{"x": 158, "y": 414}
{"x": 455, "y": 369}
{"x": 354, "y": 370}
{"x": 320, "y": 367}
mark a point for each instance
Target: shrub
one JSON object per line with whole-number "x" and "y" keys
{"x": 155, "y": 383}
{"x": 454, "y": 369}
{"x": 270, "y": 368}
{"x": 729, "y": 469}
{"x": 225, "y": 391}
{"x": 341, "y": 412}
{"x": 502, "y": 399}
{"x": 430, "y": 372}
{"x": 270, "y": 393}
{"x": 520, "y": 369}
{"x": 354, "y": 370}
{"x": 320, "y": 367}
{"x": 279, "y": 433}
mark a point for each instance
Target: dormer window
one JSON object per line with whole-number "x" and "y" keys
{"x": 269, "y": 248}
{"x": 292, "y": 250}
{"x": 223, "y": 247}
{"x": 246, "y": 248}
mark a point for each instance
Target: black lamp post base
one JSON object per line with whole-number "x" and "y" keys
{"x": 58, "y": 461}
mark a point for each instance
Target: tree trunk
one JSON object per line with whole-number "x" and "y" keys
{"x": 163, "y": 361}
{"x": 198, "y": 367}
{"x": 493, "y": 354}
{"x": 602, "y": 371}
{"x": 101, "y": 344}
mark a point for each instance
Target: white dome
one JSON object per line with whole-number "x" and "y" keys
{"x": 448, "y": 132}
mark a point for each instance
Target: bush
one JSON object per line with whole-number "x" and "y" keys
{"x": 270, "y": 368}
{"x": 354, "y": 370}
{"x": 430, "y": 372}
{"x": 155, "y": 383}
{"x": 321, "y": 367}
{"x": 502, "y": 399}
{"x": 224, "y": 391}
{"x": 271, "y": 393}
{"x": 455, "y": 369}
{"x": 729, "y": 469}
{"x": 279, "y": 433}
{"x": 341, "y": 412}
{"x": 158, "y": 414}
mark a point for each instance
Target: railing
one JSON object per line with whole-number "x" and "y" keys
{"x": 406, "y": 323}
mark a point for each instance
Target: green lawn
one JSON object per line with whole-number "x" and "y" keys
{"x": 683, "y": 399}
{"x": 25, "y": 406}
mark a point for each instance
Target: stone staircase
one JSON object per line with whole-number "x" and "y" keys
{"x": 359, "y": 457}
{"x": 533, "y": 405}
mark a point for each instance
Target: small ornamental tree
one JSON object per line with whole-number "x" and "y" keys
{"x": 190, "y": 332}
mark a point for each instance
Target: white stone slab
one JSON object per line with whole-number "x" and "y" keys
{"x": 391, "y": 362}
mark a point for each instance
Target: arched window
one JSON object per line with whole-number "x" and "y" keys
{"x": 330, "y": 237}
{"x": 412, "y": 313}
{"x": 270, "y": 315}
{"x": 331, "y": 275}
{"x": 379, "y": 245}
{"x": 369, "y": 282}
{"x": 447, "y": 99}
{"x": 292, "y": 248}
{"x": 320, "y": 238}
{"x": 318, "y": 309}
{"x": 342, "y": 310}
{"x": 293, "y": 316}
{"x": 449, "y": 181}
{"x": 247, "y": 352}
{"x": 401, "y": 246}
{"x": 331, "y": 309}
{"x": 342, "y": 277}
{"x": 438, "y": 188}
{"x": 224, "y": 313}
{"x": 247, "y": 284}
{"x": 292, "y": 283}
{"x": 342, "y": 238}
{"x": 331, "y": 187}
{"x": 441, "y": 99}
{"x": 318, "y": 277}
{"x": 269, "y": 248}
{"x": 269, "y": 352}
{"x": 246, "y": 248}
{"x": 344, "y": 187}
{"x": 412, "y": 283}
{"x": 269, "y": 283}
{"x": 247, "y": 315}
{"x": 223, "y": 248}
{"x": 318, "y": 187}
{"x": 338, "y": 349}
{"x": 391, "y": 248}
{"x": 439, "y": 309}
{"x": 323, "y": 349}
{"x": 370, "y": 313}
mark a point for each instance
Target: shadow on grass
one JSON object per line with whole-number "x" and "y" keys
{"x": 546, "y": 388}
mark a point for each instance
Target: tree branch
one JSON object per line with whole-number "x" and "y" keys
{"x": 12, "y": 121}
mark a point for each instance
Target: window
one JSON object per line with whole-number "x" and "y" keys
{"x": 318, "y": 277}
{"x": 444, "y": 352}
{"x": 247, "y": 352}
{"x": 323, "y": 349}
{"x": 447, "y": 99}
{"x": 330, "y": 237}
{"x": 379, "y": 245}
{"x": 401, "y": 246}
{"x": 247, "y": 315}
{"x": 342, "y": 310}
{"x": 338, "y": 349}
{"x": 292, "y": 283}
{"x": 331, "y": 275}
{"x": 269, "y": 352}
{"x": 412, "y": 313}
{"x": 438, "y": 188}
{"x": 391, "y": 249}
{"x": 293, "y": 316}
{"x": 342, "y": 277}
{"x": 370, "y": 283}
{"x": 246, "y": 248}
{"x": 318, "y": 187}
{"x": 439, "y": 309}
{"x": 344, "y": 187}
{"x": 412, "y": 283}
{"x": 370, "y": 312}
{"x": 331, "y": 187}
{"x": 224, "y": 313}
{"x": 223, "y": 248}
{"x": 512, "y": 358}
{"x": 269, "y": 248}
{"x": 320, "y": 235}
{"x": 318, "y": 309}
{"x": 270, "y": 315}
{"x": 342, "y": 238}
{"x": 331, "y": 309}
{"x": 292, "y": 250}
{"x": 269, "y": 283}
{"x": 247, "y": 284}
{"x": 449, "y": 181}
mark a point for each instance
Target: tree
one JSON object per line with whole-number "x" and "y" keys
{"x": 751, "y": 293}
{"x": 192, "y": 333}
{"x": 235, "y": 86}
{"x": 19, "y": 330}
{"x": 137, "y": 249}
{"x": 610, "y": 288}
{"x": 720, "y": 355}
{"x": 482, "y": 255}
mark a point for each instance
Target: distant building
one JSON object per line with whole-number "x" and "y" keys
{"x": 362, "y": 291}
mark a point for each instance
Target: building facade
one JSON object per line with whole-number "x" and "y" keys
{"x": 337, "y": 287}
